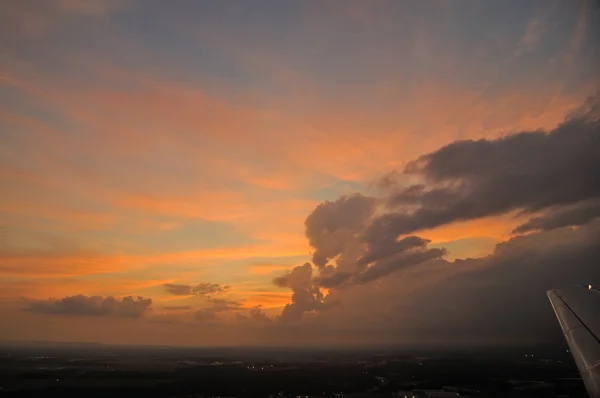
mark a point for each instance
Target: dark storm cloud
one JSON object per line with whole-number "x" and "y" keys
{"x": 330, "y": 225}
{"x": 346, "y": 256}
{"x": 80, "y": 305}
{"x": 502, "y": 297}
{"x": 396, "y": 262}
{"x": 333, "y": 280}
{"x": 577, "y": 214}
{"x": 200, "y": 289}
{"x": 383, "y": 266}
{"x": 305, "y": 296}
{"x": 384, "y": 244}
{"x": 552, "y": 176}
{"x": 347, "y": 252}
{"x": 528, "y": 171}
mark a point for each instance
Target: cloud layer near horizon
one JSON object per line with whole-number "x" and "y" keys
{"x": 80, "y": 305}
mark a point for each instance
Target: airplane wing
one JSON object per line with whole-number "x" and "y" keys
{"x": 578, "y": 311}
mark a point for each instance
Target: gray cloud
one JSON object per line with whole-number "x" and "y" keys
{"x": 396, "y": 262}
{"x": 200, "y": 289}
{"x": 528, "y": 171}
{"x": 179, "y": 290}
{"x": 348, "y": 251}
{"x": 384, "y": 244}
{"x": 331, "y": 226}
{"x": 502, "y": 297}
{"x": 550, "y": 175}
{"x": 497, "y": 299}
{"x": 346, "y": 256}
{"x": 384, "y": 265}
{"x": 577, "y": 214}
{"x": 305, "y": 298}
{"x": 333, "y": 280}
{"x": 80, "y": 305}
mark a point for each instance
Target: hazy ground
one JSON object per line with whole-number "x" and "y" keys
{"x": 69, "y": 370}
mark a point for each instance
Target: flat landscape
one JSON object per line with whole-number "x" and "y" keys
{"x": 69, "y": 370}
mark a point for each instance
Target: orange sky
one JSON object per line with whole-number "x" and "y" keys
{"x": 191, "y": 147}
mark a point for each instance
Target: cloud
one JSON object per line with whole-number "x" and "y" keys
{"x": 356, "y": 242}
{"x": 333, "y": 280}
{"x": 383, "y": 244}
{"x": 502, "y": 296}
{"x": 398, "y": 255}
{"x": 385, "y": 267}
{"x": 220, "y": 305}
{"x": 256, "y": 317}
{"x": 527, "y": 172}
{"x": 80, "y": 305}
{"x": 346, "y": 256}
{"x": 179, "y": 290}
{"x": 577, "y": 214}
{"x": 330, "y": 227}
{"x": 351, "y": 249}
{"x": 217, "y": 306}
{"x": 161, "y": 123}
{"x": 200, "y": 289}
{"x": 497, "y": 299}
{"x": 306, "y": 297}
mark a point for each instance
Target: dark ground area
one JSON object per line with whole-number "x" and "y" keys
{"x": 85, "y": 370}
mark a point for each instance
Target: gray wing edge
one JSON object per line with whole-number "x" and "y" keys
{"x": 577, "y": 309}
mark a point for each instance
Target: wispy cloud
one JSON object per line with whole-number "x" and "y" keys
{"x": 200, "y": 289}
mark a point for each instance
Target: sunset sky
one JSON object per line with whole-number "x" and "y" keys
{"x": 167, "y": 169}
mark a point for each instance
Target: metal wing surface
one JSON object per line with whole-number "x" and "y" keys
{"x": 578, "y": 311}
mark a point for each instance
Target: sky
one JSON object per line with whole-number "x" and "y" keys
{"x": 296, "y": 172}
